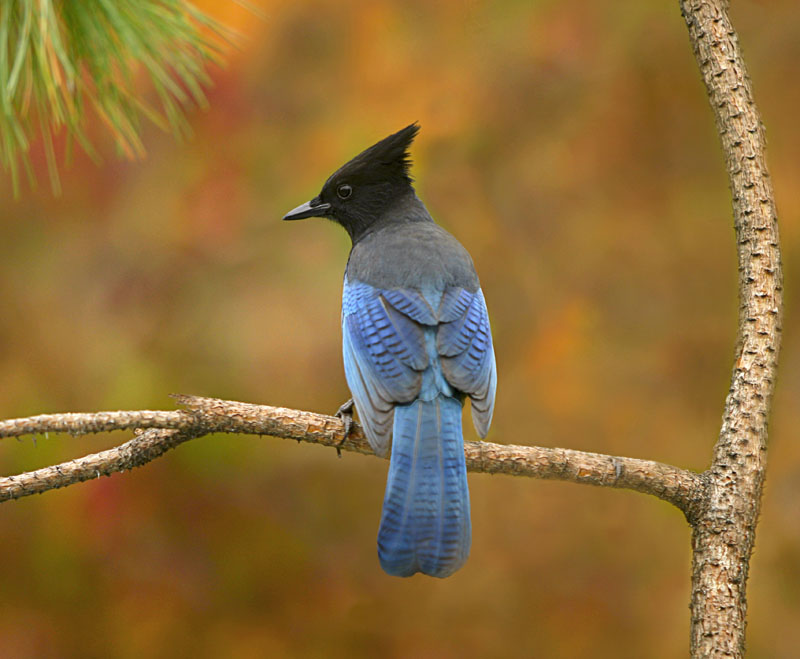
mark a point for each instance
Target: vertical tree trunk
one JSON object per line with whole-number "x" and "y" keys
{"x": 724, "y": 528}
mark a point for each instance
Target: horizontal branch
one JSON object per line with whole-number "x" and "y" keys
{"x": 84, "y": 423}
{"x": 203, "y": 416}
{"x": 144, "y": 447}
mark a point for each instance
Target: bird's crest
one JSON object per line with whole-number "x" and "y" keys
{"x": 387, "y": 159}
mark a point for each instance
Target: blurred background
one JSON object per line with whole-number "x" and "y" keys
{"x": 569, "y": 146}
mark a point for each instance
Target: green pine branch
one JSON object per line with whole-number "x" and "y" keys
{"x": 62, "y": 61}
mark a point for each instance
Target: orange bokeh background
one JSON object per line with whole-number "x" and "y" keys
{"x": 569, "y": 147}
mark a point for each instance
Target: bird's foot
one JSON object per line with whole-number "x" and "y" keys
{"x": 345, "y": 413}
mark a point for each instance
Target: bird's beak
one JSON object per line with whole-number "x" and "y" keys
{"x": 314, "y": 208}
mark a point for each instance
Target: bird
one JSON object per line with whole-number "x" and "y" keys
{"x": 416, "y": 343}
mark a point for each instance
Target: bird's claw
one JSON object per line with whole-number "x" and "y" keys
{"x": 345, "y": 413}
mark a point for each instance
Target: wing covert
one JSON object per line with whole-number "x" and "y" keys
{"x": 384, "y": 354}
{"x": 464, "y": 344}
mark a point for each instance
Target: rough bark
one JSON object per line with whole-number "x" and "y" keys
{"x": 724, "y": 532}
{"x": 207, "y": 415}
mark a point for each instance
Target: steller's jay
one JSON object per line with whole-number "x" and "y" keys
{"x": 416, "y": 341}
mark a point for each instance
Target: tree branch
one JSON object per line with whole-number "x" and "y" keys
{"x": 723, "y": 538}
{"x": 167, "y": 430}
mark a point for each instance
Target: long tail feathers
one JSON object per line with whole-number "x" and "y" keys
{"x": 425, "y": 525}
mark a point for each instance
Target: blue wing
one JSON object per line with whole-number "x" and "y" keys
{"x": 384, "y": 353}
{"x": 464, "y": 343}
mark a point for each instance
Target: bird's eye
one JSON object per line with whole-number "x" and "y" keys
{"x": 344, "y": 191}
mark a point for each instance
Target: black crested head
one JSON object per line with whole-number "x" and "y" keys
{"x": 359, "y": 193}
{"x": 388, "y": 160}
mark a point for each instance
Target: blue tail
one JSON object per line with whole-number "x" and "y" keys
{"x": 425, "y": 525}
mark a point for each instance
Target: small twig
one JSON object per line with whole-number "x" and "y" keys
{"x": 208, "y": 415}
{"x": 140, "y": 450}
{"x": 83, "y": 423}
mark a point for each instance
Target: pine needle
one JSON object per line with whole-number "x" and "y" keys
{"x": 60, "y": 58}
